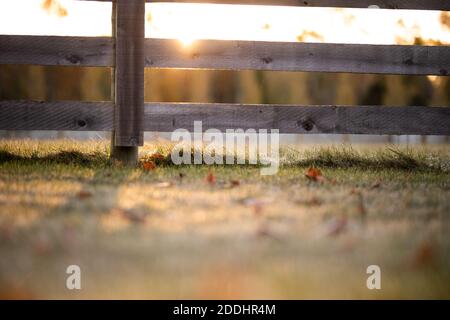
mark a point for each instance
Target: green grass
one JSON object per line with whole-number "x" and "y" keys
{"x": 168, "y": 233}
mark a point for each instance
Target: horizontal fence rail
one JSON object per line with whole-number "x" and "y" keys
{"x": 383, "y": 4}
{"x": 232, "y": 55}
{"x": 57, "y": 50}
{"x": 166, "y": 117}
{"x": 292, "y": 56}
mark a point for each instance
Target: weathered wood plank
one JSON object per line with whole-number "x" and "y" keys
{"x": 129, "y": 89}
{"x": 384, "y": 4}
{"x": 210, "y": 54}
{"x": 166, "y": 117}
{"x": 291, "y": 56}
{"x": 300, "y": 119}
{"x": 55, "y": 50}
{"x": 67, "y": 115}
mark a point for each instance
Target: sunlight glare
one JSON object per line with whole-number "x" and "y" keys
{"x": 189, "y": 22}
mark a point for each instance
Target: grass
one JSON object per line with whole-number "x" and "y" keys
{"x": 168, "y": 233}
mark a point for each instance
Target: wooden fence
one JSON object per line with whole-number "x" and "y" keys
{"x": 127, "y": 52}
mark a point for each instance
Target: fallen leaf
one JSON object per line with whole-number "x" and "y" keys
{"x": 314, "y": 174}
{"x": 134, "y": 215}
{"x": 313, "y": 201}
{"x": 424, "y": 254}
{"x": 84, "y": 194}
{"x": 375, "y": 185}
{"x": 156, "y": 158}
{"x": 211, "y": 178}
{"x": 235, "y": 183}
{"x": 148, "y": 165}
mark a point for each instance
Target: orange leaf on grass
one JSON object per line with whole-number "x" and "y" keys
{"x": 235, "y": 183}
{"x": 211, "y": 178}
{"x": 149, "y": 165}
{"x": 84, "y": 194}
{"x": 314, "y": 174}
{"x": 157, "y": 158}
{"x": 424, "y": 254}
{"x": 133, "y": 215}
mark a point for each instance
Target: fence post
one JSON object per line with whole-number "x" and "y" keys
{"x": 128, "y": 18}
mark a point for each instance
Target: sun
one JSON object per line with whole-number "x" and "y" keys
{"x": 186, "y": 41}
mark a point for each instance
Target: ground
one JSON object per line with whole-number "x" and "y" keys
{"x": 165, "y": 231}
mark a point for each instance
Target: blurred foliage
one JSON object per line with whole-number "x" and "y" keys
{"x": 170, "y": 85}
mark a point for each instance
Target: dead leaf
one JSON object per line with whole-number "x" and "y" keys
{"x": 148, "y": 165}
{"x": 156, "y": 158}
{"x": 424, "y": 254}
{"x": 314, "y": 174}
{"x": 84, "y": 194}
{"x": 211, "y": 178}
{"x": 376, "y": 185}
{"x": 133, "y": 215}
{"x": 235, "y": 183}
{"x": 313, "y": 201}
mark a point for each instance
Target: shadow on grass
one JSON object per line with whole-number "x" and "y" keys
{"x": 336, "y": 158}
{"x": 386, "y": 159}
{"x": 62, "y": 157}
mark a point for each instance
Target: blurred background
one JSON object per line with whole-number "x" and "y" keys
{"x": 188, "y": 22}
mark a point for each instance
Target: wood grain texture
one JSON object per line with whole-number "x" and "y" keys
{"x": 291, "y": 56}
{"x": 55, "y": 50}
{"x": 384, "y": 4}
{"x": 237, "y": 55}
{"x": 166, "y": 117}
{"x": 301, "y": 119}
{"x": 129, "y": 79}
{"x": 67, "y": 115}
